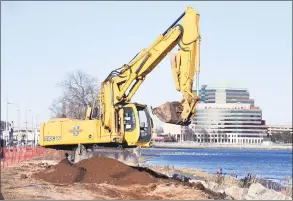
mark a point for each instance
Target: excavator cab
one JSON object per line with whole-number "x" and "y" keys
{"x": 137, "y": 124}
{"x": 133, "y": 121}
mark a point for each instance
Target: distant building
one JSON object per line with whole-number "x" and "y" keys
{"x": 173, "y": 131}
{"x": 21, "y": 136}
{"x": 277, "y": 129}
{"x": 280, "y": 133}
{"x": 226, "y": 114}
{"x": 3, "y": 125}
{"x": 227, "y": 123}
{"x": 224, "y": 94}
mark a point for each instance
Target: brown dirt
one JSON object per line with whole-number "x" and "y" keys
{"x": 14, "y": 188}
{"x": 23, "y": 176}
{"x": 99, "y": 179}
{"x": 107, "y": 170}
{"x": 63, "y": 173}
{"x": 1, "y": 196}
{"x": 94, "y": 170}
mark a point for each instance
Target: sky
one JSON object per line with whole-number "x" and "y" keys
{"x": 249, "y": 43}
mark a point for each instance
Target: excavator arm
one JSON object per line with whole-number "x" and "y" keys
{"x": 121, "y": 84}
{"x": 113, "y": 120}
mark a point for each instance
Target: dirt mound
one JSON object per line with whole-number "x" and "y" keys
{"x": 95, "y": 170}
{"x": 63, "y": 173}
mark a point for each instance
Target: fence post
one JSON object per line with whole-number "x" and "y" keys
{"x": 14, "y": 154}
{"x": 9, "y": 158}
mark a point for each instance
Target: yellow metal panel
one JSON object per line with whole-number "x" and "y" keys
{"x": 69, "y": 131}
{"x": 80, "y": 131}
{"x": 50, "y": 133}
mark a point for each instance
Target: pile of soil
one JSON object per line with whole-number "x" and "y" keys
{"x": 62, "y": 173}
{"x": 1, "y": 196}
{"x": 95, "y": 170}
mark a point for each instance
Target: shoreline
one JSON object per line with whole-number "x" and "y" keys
{"x": 202, "y": 174}
{"x": 149, "y": 153}
{"x": 222, "y": 183}
{"x": 172, "y": 145}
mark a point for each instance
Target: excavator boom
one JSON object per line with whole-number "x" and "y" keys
{"x": 113, "y": 121}
{"x": 126, "y": 80}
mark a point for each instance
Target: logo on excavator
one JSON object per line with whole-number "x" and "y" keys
{"x": 75, "y": 131}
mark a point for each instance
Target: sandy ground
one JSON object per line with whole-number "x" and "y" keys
{"x": 17, "y": 184}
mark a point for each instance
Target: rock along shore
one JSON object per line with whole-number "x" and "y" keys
{"x": 227, "y": 185}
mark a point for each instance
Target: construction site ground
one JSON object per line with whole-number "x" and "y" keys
{"x": 49, "y": 177}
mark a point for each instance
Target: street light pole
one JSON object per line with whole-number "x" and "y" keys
{"x": 18, "y": 109}
{"x": 7, "y": 114}
{"x": 33, "y": 127}
{"x": 26, "y": 131}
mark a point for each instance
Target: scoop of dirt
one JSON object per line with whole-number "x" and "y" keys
{"x": 95, "y": 170}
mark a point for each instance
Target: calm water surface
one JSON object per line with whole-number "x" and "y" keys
{"x": 269, "y": 164}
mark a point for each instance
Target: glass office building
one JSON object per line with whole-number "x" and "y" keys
{"x": 226, "y": 115}
{"x": 223, "y": 94}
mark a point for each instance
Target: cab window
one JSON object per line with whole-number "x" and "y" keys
{"x": 129, "y": 119}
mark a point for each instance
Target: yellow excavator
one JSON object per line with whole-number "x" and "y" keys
{"x": 115, "y": 127}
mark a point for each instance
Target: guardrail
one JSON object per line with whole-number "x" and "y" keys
{"x": 13, "y": 155}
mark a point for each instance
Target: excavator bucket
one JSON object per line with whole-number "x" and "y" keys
{"x": 130, "y": 157}
{"x": 170, "y": 112}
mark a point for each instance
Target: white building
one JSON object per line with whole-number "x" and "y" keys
{"x": 173, "y": 130}
{"x": 25, "y": 136}
{"x": 274, "y": 129}
{"x": 227, "y": 123}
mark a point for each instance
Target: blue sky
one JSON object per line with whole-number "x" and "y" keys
{"x": 247, "y": 42}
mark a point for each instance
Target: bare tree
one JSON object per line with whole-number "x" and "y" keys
{"x": 79, "y": 91}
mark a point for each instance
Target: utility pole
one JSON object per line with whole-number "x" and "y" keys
{"x": 33, "y": 132}
{"x": 26, "y": 121}
{"x": 26, "y": 125}
{"x": 7, "y": 114}
{"x": 18, "y": 109}
{"x": 37, "y": 128}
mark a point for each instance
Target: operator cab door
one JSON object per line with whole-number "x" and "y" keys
{"x": 145, "y": 124}
{"x": 131, "y": 124}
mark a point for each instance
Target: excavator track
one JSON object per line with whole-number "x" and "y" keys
{"x": 128, "y": 156}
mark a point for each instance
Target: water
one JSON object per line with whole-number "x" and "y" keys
{"x": 267, "y": 164}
